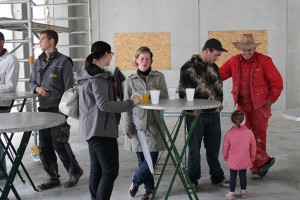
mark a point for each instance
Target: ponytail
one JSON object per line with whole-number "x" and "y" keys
{"x": 89, "y": 60}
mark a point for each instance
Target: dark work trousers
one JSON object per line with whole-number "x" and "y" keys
{"x": 53, "y": 140}
{"x": 143, "y": 174}
{"x": 243, "y": 179}
{"x": 104, "y": 166}
{"x": 208, "y": 129}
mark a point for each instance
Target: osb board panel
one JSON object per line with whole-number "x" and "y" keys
{"x": 126, "y": 45}
{"x": 227, "y": 37}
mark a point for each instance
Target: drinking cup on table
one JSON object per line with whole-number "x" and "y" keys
{"x": 154, "y": 94}
{"x": 190, "y": 94}
{"x": 171, "y": 92}
{"x": 145, "y": 97}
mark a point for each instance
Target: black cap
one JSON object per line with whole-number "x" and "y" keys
{"x": 1, "y": 36}
{"x": 214, "y": 44}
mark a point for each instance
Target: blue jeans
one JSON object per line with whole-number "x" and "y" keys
{"x": 104, "y": 169}
{"x": 3, "y": 163}
{"x": 208, "y": 129}
{"x": 143, "y": 175}
{"x": 53, "y": 140}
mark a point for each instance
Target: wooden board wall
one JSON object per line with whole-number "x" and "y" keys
{"x": 126, "y": 45}
{"x": 227, "y": 37}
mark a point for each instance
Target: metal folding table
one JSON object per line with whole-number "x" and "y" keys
{"x": 23, "y": 122}
{"x": 169, "y": 139}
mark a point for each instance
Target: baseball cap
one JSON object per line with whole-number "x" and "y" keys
{"x": 1, "y": 36}
{"x": 214, "y": 44}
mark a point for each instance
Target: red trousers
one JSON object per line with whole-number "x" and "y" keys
{"x": 257, "y": 121}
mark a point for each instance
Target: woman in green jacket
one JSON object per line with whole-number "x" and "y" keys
{"x": 144, "y": 79}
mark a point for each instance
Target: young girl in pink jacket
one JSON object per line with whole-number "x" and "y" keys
{"x": 239, "y": 149}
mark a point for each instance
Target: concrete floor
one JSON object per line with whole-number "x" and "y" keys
{"x": 282, "y": 181}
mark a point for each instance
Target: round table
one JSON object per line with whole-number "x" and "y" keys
{"x": 181, "y": 105}
{"x": 292, "y": 114}
{"x": 26, "y": 123}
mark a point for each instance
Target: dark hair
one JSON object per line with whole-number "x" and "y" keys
{"x": 237, "y": 117}
{"x": 1, "y": 36}
{"x": 98, "y": 50}
{"x": 51, "y": 34}
{"x": 143, "y": 50}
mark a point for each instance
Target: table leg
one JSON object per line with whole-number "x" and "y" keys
{"x": 9, "y": 142}
{"x": 16, "y": 164}
{"x": 175, "y": 157}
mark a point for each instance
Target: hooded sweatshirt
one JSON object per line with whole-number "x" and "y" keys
{"x": 97, "y": 109}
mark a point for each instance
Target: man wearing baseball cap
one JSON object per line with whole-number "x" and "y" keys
{"x": 9, "y": 75}
{"x": 201, "y": 73}
{"x": 256, "y": 85}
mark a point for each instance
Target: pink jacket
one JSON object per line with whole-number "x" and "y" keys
{"x": 239, "y": 147}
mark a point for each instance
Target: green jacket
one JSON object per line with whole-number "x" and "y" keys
{"x": 135, "y": 84}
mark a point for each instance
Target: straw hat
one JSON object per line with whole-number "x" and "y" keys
{"x": 246, "y": 42}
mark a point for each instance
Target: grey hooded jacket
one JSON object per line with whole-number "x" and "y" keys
{"x": 96, "y": 106}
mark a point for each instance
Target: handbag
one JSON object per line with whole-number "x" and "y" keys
{"x": 68, "y": 104}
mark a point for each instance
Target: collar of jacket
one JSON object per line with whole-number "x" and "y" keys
{"x": 3, "y": 52}
{"x": 152, "y": 73}
{"x": 52, "y": 55}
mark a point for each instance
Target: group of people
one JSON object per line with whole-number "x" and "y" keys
{"x": 256, "y": 85}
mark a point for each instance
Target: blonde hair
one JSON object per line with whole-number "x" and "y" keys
{"x": 143, "y": 50}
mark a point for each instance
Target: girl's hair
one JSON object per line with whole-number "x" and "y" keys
{"x": 237, "y": 117}
{"x": 143, "y": 50}
{"x": 98, "y": 50}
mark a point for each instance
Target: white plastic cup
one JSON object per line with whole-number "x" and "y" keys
{"x": 154, "y": 94}
{"x": 171, "y": 92}
{"x": 190, "y": 94}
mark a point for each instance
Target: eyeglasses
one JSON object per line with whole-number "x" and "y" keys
{"x": 112, "y": 53}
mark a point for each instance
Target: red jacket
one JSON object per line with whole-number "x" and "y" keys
{"x": 265, "y": 83}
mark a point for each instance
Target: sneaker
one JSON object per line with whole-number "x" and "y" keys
{"x": 255, "y": 175}
{"x": 224, "y": 183}
{"x": 147, "y": 196}
{"x": 230, "y": 195}
{"x": 265, "y": 167}
{"x": 49, "y": 183}
{"x": 133, "y": 190}
{"x": 73, "y": 180}
{"x": 243, "y": 194}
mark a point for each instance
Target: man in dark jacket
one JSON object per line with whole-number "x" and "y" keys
{"x": 201, "y": 73}
{"x": 51, "y": 76}
{"x": 256, "y": 85}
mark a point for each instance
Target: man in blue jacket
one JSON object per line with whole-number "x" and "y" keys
{"x": 51, "y": 76}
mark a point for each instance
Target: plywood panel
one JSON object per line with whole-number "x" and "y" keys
{"x": 126, "y": 45}
{"x": 227, "y": 37}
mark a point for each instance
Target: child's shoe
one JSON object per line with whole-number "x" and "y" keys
{"x": 230, "y": 195}
{"x": 243, "y": 194}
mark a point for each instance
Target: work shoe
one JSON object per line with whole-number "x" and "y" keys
{"x": 265, "y": 167}
{"x": 147, "y": 196}
{"x": 49, "y": 183}
{"x": 255, "y": 175}
{"x": 73, "y": 180}
{"x": 243, "y": 194}
{"x": 133, "y": 190}
{"x": 230, "y": 195}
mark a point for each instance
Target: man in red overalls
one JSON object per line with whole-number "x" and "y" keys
{"x": 256, "y": 85}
